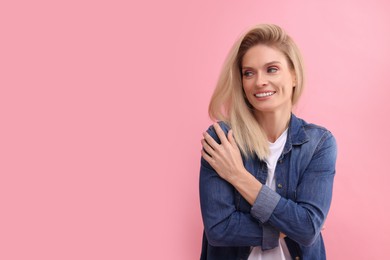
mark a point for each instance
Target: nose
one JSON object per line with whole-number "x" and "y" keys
{"x": 261, "y": 80}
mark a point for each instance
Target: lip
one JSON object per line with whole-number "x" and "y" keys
{"x": 263, "y": 92}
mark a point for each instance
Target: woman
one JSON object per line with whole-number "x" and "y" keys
{"x": 266, "y": 176}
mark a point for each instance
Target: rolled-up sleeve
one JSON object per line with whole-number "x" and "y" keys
{"x": 302, "y": 219}
{"x": 265, "y": 203}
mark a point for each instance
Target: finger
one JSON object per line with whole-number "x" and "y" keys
{"x": 231, "y": 139}
{"x": 210, "y": 141}
{"x": 207, "y": 157}
{"x": 220, "y": 133}
{"x": 207, "y": 148}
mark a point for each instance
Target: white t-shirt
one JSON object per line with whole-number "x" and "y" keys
{"x": 281, "y": 252}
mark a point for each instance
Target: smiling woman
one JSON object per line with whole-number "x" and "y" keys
{"x": 268, "y": 83}
{"x": 266, "y": 176}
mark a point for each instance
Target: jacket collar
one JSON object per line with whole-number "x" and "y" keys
{"x": 296, "y": 134}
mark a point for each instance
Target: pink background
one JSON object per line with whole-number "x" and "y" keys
{"x": 103, "y": 103}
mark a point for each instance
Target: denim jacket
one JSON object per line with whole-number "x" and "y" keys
{"x": 298, "y": 208}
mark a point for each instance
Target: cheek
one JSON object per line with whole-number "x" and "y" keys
{"x": 289, "y": 85}
{"x": 246, "y": 86}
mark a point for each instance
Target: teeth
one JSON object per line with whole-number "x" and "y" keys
{"x": 265, "y": 94}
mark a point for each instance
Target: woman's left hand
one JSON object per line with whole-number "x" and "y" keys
{"x": 225, "y": 158}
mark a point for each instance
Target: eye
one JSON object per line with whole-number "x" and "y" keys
{"x": 247, "y": 74}
{"x": 272, "y": 69}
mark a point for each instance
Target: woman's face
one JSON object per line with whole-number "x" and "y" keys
{"x": 267, "y": 79}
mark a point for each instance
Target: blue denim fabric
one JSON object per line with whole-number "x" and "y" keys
{"x": 298, "y": 208}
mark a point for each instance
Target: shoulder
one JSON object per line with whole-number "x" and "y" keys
{"x": 314, "y": 142}
{"x": 317, "y": 135}
{"x": 311, "y": 129}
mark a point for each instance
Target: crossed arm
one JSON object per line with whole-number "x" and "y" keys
{"x": 301, "y": 220}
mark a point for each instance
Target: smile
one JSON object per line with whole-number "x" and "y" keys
{"x": 265, "y": 94}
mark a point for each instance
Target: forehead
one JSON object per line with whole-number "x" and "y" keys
{"x": 261, "y": 54}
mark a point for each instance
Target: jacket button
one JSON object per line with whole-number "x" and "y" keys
{"x": 280, "y": 186}
{"x": 297, "y": 258}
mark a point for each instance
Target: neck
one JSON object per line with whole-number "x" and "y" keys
{"x": 274, "y": 123}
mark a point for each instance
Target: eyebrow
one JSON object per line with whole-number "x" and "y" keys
{"x": 267, "y": 64}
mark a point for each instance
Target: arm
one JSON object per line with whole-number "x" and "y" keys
{"x": 224, "y": 224}
{"x": 303, "y": 219}
{"x": 300, "y": 220}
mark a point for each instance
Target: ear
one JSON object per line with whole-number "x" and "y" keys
{"x": 294, "y": 79}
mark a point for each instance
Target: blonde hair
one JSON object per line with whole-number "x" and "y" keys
{"x": 228, "y": 100}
